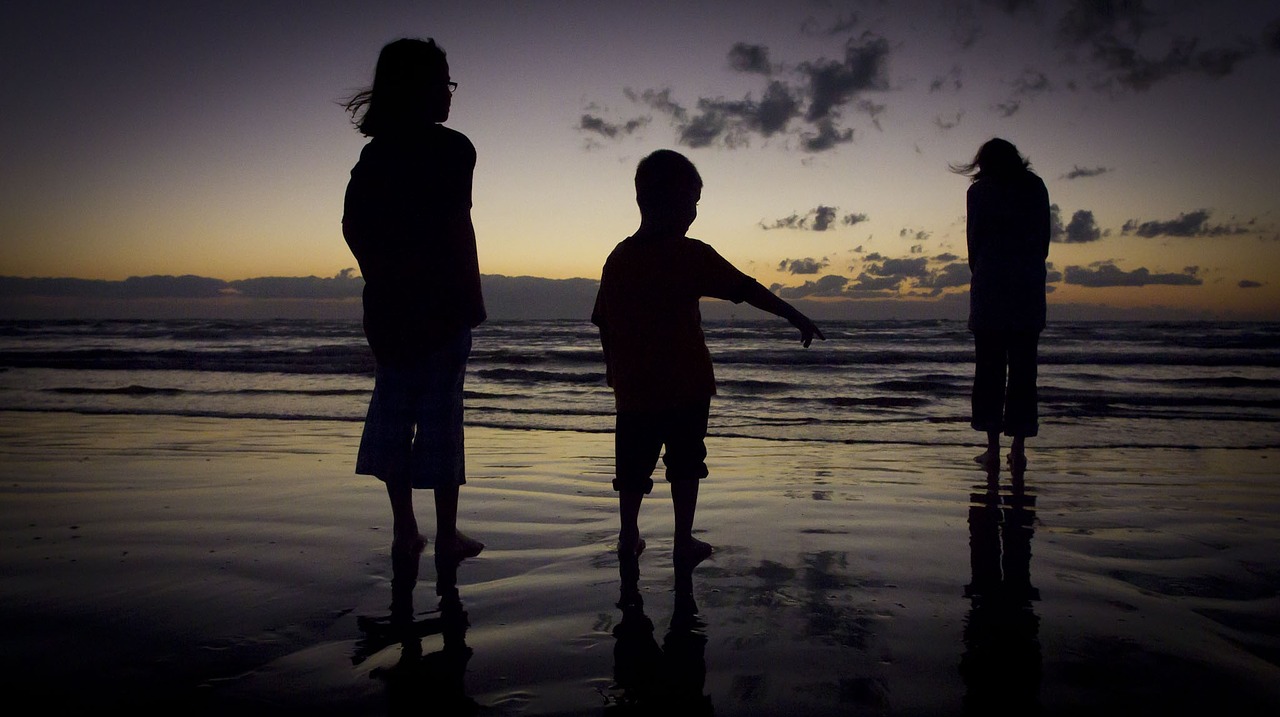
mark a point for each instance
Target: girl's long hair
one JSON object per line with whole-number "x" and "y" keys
{"x": 395, "y": 100}
{"x": 995, "y": 158}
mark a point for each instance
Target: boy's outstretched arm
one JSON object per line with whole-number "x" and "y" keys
{"x": 766, "y": 300}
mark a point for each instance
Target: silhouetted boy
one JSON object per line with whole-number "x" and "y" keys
{"x": 655, "y": 353}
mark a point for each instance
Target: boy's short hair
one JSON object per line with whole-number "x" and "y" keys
{"x": 664, "y": 175}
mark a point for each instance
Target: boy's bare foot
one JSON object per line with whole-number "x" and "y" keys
{"x": 688, "y": 553}
{"x": 412, "y": 543}
{"x": 632, "y": 547}
{"x": 458, "y": 547}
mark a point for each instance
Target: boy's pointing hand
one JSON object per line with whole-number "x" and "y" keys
{"x": 808, "y": 330}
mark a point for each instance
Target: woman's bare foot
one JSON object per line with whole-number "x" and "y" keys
{"x": 690, "y": 552}
{"x": 458, "y": 547}
{"x": 1017, "y": 462}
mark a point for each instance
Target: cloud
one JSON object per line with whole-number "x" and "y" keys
{"x": 727, "y": 122}
{"x": 1080, "y": 230}
{"x": 947, "y": 123}
{"x": 135, "y": 287}
{"x": 952, "y": 80}
{"x": 916, "y": 234}
{"x": 611, "y": 130}
{"x": 1189, "y": 224}
{"x": 853, "y": 218}
{"x": 1007, "y": 109}
{"x": 1107, "y": 274}
{"x": 659, "y": 100}
{"x": 809, "y": 104}
{"x": 839, "y": 26}
{"x": 1271, "y": 37}
{"x": 872, "y": 110}
{"x": 916, "y": 268}
{"x": 1030, "y": 82}
{"x": 808, "y": 265}
{"x": 750, "y": 58}
{"x": 871, "y": 284}
{"x": 818, "y": 219}
{"x": 822, "y": 218}
{"x": 1126, "y": 67}
{"x": 1078, "y": 172}
{"x": 1249, "y": 284}
{"x": 1089, "y": 20}
{"x": 827, "y": 137}
{"x": 1011, "y": 6}
{"x": 832, "y": 84}
{"x": 343, "y": 286}
{"x": 1112, "y": 29}
{"x": 829, "y": 285}
{"x": 948, "y": 276}
{"x": 883, "y": 277}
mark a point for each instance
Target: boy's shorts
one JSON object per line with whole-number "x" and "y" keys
{"x": 640, "y": 435}
{"x": 415, "y": 419}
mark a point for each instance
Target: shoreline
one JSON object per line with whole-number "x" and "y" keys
{"x": 223, "y": 565}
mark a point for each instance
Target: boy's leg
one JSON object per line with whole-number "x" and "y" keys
{"x": 685, "y": 458}
{"x": 636, "y": 445}
{"x": 629, "y": 541}
{"x": 688, "y": 550}
{"x": 684, "y": 499}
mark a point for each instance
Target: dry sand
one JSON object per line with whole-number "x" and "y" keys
{"x": 239, "y": 567}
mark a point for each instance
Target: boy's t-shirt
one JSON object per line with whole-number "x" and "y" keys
{"x": 656, "y": 356}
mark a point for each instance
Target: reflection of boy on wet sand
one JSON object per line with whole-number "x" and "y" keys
{"x": 655, "y": 353}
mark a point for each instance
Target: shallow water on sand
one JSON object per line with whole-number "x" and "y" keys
{"x": 229, "y": 566}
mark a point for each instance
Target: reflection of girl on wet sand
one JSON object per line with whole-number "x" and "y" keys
{"x": 1008, "y": 236}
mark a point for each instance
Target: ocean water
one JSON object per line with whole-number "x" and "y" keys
{"x": 1179, "y": 385}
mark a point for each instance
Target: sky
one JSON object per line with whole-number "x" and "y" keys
{"x": 208, "y": 139}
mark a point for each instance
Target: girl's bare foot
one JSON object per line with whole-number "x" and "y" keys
{"x": 412, "y": 543}
{"x": 458, "y": 547}
{"x": 690, "y": 552}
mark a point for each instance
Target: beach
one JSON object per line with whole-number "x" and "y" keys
{"x": 238, "y": 566}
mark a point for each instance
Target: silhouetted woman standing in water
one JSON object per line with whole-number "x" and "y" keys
{"x": 1008, "y": 233}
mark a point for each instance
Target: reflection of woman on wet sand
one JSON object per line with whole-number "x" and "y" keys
{"x": 1008, "y": 233}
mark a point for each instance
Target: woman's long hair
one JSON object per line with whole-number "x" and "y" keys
{"x": 995, "y": 158}
{"x": 396, "y": 99}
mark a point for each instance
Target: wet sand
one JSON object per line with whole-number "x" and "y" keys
{"x": 238, "y": 567}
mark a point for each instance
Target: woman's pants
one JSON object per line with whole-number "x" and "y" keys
{"x": 1004, "y": 382}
